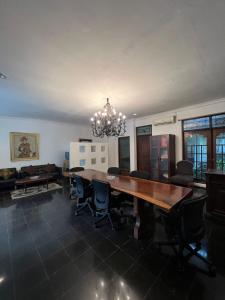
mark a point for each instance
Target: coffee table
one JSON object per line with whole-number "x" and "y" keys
{"x": 28, "y": 181}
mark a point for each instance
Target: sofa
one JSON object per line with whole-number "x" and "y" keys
{"x": 48, "y": 169}
{"x": 8, "y": 178}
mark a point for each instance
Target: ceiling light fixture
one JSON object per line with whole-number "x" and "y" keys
{"x": 134, "y": 114}
{"x": 3, "y": 76}
{"x": 108, "y": 122}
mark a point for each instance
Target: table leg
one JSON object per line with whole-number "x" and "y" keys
{"x": 144, "y": 226}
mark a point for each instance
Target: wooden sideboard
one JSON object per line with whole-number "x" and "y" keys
{"x": 215, "y": 183}
{"x": 215, "y": 215}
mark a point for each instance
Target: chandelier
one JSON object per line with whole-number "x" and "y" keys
{"x": 108, "y": 122}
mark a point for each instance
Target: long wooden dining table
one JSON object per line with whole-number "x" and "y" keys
{"x": 163, "y": 195}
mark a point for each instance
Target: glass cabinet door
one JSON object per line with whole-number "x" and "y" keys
{"x": 164, "y": 158}
{"x": 155, "y": 146}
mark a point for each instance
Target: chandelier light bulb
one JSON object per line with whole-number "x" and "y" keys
{"x": 92, "y": 119}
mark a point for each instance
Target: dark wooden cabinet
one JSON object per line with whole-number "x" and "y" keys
{"x": 215, "y": 215}
{"x": 215, "y": 183}
{"x": 143, "y": 150}
{"x": 162, "y": 156}
{"x": 143, "y": 134}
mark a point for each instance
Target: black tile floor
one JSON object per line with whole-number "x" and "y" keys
{"x": 46, "y": 252}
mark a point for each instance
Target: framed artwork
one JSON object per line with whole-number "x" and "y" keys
{"x": 24, "y": 146}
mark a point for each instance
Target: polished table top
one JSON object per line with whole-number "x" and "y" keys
{"x": 161, "y": 194}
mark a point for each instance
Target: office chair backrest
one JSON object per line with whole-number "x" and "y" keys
{"x": 184, "y": 167}
{"x": 81, "y": 186}
{"x": 102, "y": 193}
{"x": 77, "y": 169}
{"x": 140, "y": 174}
{"x": 114, "y": 171}
{"x": 191, "y": 218}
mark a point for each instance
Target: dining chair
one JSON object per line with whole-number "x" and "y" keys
{"x": 114, "y": 171}
{"x": 73, "y": 181}
{"x": 140, "y": 174}
{"x": 103, "y": 201}
{"x": 83, "y": 192}
{"x": 184, "y": 175}
{"x": 185, "y": 228}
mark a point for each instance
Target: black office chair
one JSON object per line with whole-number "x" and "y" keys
{"x": 185, "y": 229}
{"x": 140, "y": 174}
{"x": 73, "y": 181}
{"x": 184, "y": 174}
{"x": 114, "y": 171}
{"x": 83, "y": 192}
{"x": 103, "y": 201}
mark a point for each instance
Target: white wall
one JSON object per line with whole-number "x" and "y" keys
{"x": 55, "y": 138}
{"x": 206, "y": 108}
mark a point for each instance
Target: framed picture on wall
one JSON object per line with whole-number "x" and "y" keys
{"x": 24, "y": 146}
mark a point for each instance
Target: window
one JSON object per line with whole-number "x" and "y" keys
{"x": 218, "y": 121}
{"x": 144, "y": 130}
{"x": 204, "y": 144}
{"x": 193, "y": 124}
{"x": 124, "y": 153}
{"x": 102, "y": 148}
{"x": 196, "y": 150}
{"x": 102, "y": 160}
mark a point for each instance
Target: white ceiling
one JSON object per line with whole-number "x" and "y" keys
{"x": 64, "y": 57}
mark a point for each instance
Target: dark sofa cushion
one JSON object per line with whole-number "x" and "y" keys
{"x": 50, "y": 168}
{"x": 29, "y": 170}
{"x": 8, "y": 173}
